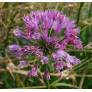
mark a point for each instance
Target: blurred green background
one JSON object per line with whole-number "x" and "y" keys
{"x": 11, "y": 16}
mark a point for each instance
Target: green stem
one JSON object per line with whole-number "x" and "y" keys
{"x": 48, "y": 84}
{"x": 88, "y": 75}
{"x": 82, "y": 50}
{"x": 79, "y": 12}
{"x": 82, "y": 80}
{"x": 82, "y": 64}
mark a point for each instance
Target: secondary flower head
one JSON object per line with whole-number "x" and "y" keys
{"x": 63, "y": 60}
{"x": 49, "y": 33}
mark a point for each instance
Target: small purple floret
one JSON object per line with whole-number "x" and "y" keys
{"x": 33, "y": 72}
{"x": 17, "y": 32}
{"x": 44, "y": 60}
{"x": 46, "y": 75}
{"x": 14, "y": 47}
{"x": 22, "y": 63}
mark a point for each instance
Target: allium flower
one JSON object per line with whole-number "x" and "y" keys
{"x": 49, "y": 33}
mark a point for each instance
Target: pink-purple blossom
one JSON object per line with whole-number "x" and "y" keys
{"x": 63, "y": 60}
{"x": 44, "y": 29}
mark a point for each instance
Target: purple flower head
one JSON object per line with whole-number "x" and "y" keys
{"x": 48, "y": 34}
{"x": 63, "y": 59}
{"x": 46, "y": 25}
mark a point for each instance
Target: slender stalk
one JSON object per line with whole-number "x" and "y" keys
{"x": 52, "y": 74}
{"x": 79, "y": 12}
{"x": 88, "y": 75}
{"x": 82, "y": 80}
{"x": 82, "y": 50}
{"x": 82, "y": 64}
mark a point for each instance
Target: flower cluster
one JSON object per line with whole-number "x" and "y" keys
{"x": 49, "y": 33}
{"x": 64, "y": 60}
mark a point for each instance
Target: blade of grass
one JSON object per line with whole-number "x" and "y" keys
{"x": 66, "y": 85}
{"x": 82, "y": 80}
